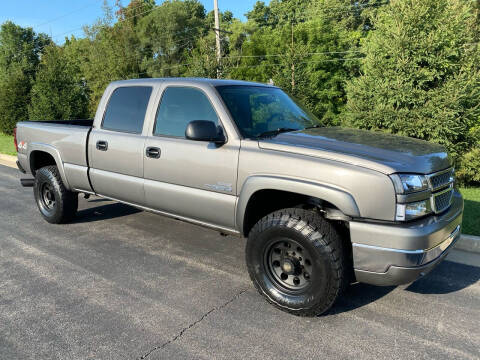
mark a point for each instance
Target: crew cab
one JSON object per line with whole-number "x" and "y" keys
{"x": 321, "y": 206}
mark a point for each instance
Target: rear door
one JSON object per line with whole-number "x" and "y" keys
{"x": 192, "y": 179}
{"x": 116, "y": 147}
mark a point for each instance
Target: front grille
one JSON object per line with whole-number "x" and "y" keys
{"x": 442, "y": 200}
{"x": 441, "y": 179}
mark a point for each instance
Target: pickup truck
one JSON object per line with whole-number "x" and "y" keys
{"x": 321, "y": 207}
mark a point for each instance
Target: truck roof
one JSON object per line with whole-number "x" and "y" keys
{"x": 213, "y": 82}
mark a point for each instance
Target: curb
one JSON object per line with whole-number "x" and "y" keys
{"x": 468, "y": 243}
{"x": 8, "y": 160}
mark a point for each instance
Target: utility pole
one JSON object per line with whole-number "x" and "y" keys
{"x": 293, "y": 61}
{"x": 217, "y": 36}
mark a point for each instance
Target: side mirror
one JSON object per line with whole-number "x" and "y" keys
{"x": 204, "y": 130}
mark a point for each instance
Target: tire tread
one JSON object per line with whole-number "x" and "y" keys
{"x": 68, "y": 200}
{"x": 313, "y": 227}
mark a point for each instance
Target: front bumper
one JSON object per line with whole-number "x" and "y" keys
{"x": 399, "y": 254}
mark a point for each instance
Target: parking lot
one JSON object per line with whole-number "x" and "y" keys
{"x": 120, "y": 283}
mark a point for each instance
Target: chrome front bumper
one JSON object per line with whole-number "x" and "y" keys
{"x": 398, "y": 254}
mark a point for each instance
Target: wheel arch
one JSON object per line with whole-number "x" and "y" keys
{"x": 263, "y": 189}
{"x": 41, "y": 155}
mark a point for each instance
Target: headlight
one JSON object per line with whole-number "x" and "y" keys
{"x": 409, "y": 183}
{"x": 413, "y": 210}
{"x": 410, "y": 207}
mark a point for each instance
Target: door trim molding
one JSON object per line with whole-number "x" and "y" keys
{"x": 222, "y": 229}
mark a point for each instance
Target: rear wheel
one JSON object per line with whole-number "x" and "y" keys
{"x": 295, "y": 260}
{"x": 56, "y": 204}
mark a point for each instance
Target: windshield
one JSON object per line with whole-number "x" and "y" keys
{"x": 264, "y": 111}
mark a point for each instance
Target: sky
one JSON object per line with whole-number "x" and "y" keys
{"x": 62, "y": 18}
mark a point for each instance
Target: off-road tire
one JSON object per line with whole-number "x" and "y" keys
{"x": 61, "y": 205}
{"x": 317, "y": 237}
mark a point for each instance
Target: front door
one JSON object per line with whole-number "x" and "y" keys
{"x": 191, "y": 179}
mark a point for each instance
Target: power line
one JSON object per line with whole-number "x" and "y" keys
{"x": 327, "y": 12}
{"x": 284, "y": 55}
{"x": 349, "y": 8}
{"x": 228, "y": 57}
{"x": 310, "y": 14}
{"x": 302, "y": 62}
{"x": 67, "y": 14}
{"x": 251, "y": 66}
{"x": 118, "y": 21}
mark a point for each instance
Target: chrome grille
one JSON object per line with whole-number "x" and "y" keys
{"x": 441, "y": 179}
{"x": 441, "y": 185}
{"x": 442, "y": 200}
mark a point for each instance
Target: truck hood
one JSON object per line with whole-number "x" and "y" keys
{"x": 375, "y": 150}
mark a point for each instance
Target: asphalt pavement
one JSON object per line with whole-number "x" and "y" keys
{"x": 120, "y": 283}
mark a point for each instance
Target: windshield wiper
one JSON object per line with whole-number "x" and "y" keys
{"x": 273, "y": 133}
{"x": 312, "y": 127}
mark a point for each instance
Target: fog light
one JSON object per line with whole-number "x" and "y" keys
{"x": 413, "y": 210}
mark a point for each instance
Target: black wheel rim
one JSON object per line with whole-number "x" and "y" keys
{"x": 289, "y": 265}
{"x": 47, "y": 197}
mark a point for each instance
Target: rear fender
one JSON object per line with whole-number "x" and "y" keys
{"x": 32, "y": 147}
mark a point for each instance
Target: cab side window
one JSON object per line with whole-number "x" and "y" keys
{"x": 126, "y": 109}
{"x": 179, "y": 106}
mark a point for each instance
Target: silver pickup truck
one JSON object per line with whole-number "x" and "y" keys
{"x": 321, "y": 207}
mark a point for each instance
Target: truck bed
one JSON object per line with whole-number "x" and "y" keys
{"x": 65, "y": 140}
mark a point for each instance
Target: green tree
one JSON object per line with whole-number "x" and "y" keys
{"x": 317, "y": 58}
{"x": 14, "y": 97}
{"x": 261, "y": 15}
{"x": 111, "y": 51}
{"x": 58, "y": 92}
{"x": 202, "y": 60}
{"x": 420, "y": 76}
{"x": 20, "y": 50}
{"x": 168, "y": 33}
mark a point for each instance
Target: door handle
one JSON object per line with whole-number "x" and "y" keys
{"x": 153, "y": 152}
{"x": 102, "y": 145}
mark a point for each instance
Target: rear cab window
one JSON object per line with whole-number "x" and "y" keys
{"x": 126, "y": 109}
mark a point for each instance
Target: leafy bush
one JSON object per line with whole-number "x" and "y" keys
{"x": 469, "y": 171}
{"x": 421, "y": 74}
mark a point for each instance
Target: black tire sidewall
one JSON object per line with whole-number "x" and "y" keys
{"x": 317, "y": 296}
{"x": 49, "y": 174}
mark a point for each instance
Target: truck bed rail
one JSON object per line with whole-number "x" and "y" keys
{"x": 79, "y": 122}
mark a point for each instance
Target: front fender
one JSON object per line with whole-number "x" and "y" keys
{"x": 54, "y": 153}
{"x": 341, "y": 199}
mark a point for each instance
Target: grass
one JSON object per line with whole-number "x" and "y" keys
{"x": 6, "y": 145}
{"x": 471, "y": 216}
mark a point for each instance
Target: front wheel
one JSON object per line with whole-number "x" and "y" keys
{"x": 295, "y": 260}
{"x": 56, "y": 204}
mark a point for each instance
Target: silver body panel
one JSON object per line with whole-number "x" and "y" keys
{"x": 195, "y": 179}
{"x": 396, "y": 254}
{"x": 371, "y": 190}
{"x": 374, "y": 150}
{"x": 117, "y": 172}
{"x": 211, "y": 185}
{"x": 65, "y": 143}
